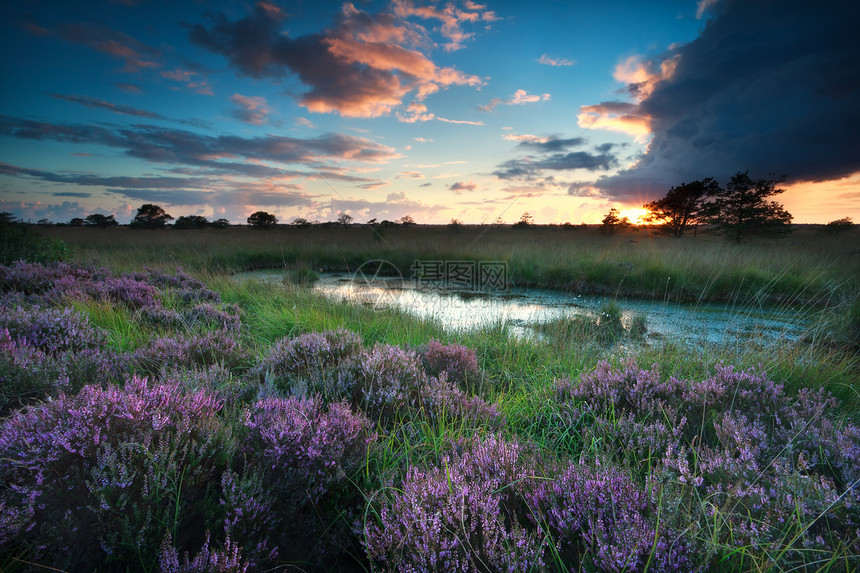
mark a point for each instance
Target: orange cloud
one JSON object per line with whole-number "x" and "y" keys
{"x": 642, "y": 75}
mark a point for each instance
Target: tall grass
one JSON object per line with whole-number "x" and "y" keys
{"x": 801, "y": 268}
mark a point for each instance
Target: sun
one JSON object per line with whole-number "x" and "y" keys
{"x": 636, "y": 216}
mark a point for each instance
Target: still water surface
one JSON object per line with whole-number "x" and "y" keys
{"x": 522, "y": 308}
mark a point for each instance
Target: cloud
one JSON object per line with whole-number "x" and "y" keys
{"x": 125, "y": 110}
{"x": 518, "y": 98}
{"x": 250, "y": 109}
{"x": 423, "y": 139}
{"x": 460, "y": 186}
{"x": 616, "y": 116}
{"x": 530, "y": 168}
{"x": 460, "y": 121}
{"x": 451, "y": 19}
{"x": 71, "y": 194}
{"x": 410, "y": 175}
{"x": 748, "y": 95}
{"x": 556, "y": 62}
{"x": 547, "y": 144}
{"x": 191, "y": 78}
{"x": 703, "y": 6}
{"x": 135, "y": 54}
{"x": 129, "y": 88}
{"x": 166, "y": 145}
{"x": 95, "y": 180}
{"x": 365, "y": 209}
{"x": 414, "y": 113}
{"x": 364, "y": 66}
{"x": 116, "y": 108}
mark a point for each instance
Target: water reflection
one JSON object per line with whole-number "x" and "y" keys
{"x": 521, "y": 309}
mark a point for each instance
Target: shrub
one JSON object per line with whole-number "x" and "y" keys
{"x": 206, "y": 349}
{"x": 304, "y": 454}
{"x": 467, "y": 514}
{"x": 103, "y": 476}
{"x": 207, "y": 560}
{"x": 390, "y": 382}
{"x": 51, "y": 330}
{"x": 600, "y": 511}
{"x": 778, "y": 469}
{"x": 28, "y": 374}
{"x": 313, "y": 363}
{"x": 459, "y": 362}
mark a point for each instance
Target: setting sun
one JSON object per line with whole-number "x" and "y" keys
{"x": 636, "y": 216}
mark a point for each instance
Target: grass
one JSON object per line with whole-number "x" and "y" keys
{"x": 805, "y": 267}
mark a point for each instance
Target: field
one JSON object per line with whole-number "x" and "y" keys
{"x": 158, "y": 418}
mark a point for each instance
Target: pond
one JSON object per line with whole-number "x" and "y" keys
{"x": 523, "y": 309}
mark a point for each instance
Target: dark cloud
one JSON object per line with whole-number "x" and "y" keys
{"x": 165, "y": 145}
{"x": 94, "y": 180}
{"x": 551, "y": 144}
{"x": 528, "y": 168}
{"x": 460, "y": 186}
{"x": 766, "y": 87}
{"x": 116, "y": 108}
{"x": 72, "y": 194}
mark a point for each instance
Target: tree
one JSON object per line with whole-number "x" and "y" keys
{"x": 76, "y": 222}
{"x": 191, "y": 222}
{"x": 301, "y": 222}
{"x": 344, "y": 219}
{"x": 100, "y": 221}
{"x": 262, "y": 220}
{"x": 525, "y": 221}
{"x": 220, "y": 224}
{"x": 150, "y": 216}
{"x": 406, "y": 221}
{"x": 839, "y": 225}
{"x": 682, "y": 206}
{"x": 614, "y": 222}
{"x": 6, "y": 218}
{"x": 742, "y": 208}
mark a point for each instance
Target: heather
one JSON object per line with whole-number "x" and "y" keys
{"x": 159, "y": 421}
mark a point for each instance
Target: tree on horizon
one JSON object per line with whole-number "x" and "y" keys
{"x": 101, "y": 221}
{"x": 614, "y": 222}
{"x": 150, "y": 216}
{"x": 742, "y": 208}
{"x": 682, "y": 207}
{"x": 262, "y": 220}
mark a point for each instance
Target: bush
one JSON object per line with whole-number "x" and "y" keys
{"x": 737, "y": 440}
{"x": 467, "y": 514}
{"x": 299, "y": 456}
{"x": 103, "y": 476}
{"x": 313, "y": 363}
{"x": 458, "y": 362}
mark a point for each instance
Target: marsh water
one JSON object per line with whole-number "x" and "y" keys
{"x": 522, "y": 309}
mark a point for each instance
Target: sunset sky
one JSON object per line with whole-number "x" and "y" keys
{"x": 437, "y": 110}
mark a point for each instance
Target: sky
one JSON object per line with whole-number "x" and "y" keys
{"x": 436, "y": 110}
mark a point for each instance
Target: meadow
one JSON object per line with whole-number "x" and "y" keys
{"x": 159, "y": 418}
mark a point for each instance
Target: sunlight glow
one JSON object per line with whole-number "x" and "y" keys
{"x": 636, "y": 215}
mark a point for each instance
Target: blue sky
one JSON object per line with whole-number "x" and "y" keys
{"x": 437, "y": 110}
